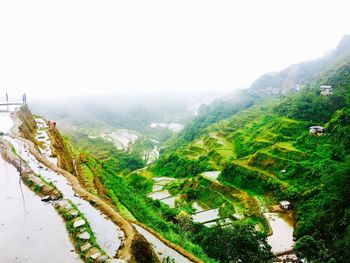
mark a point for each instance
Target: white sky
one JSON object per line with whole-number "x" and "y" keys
{"x": 69, "y": 46}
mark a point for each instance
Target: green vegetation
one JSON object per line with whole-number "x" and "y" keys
{"x": 175, "y": 165}
{"x": 117, "y": 160}
{"x": 75, "y": 231}
{"x": 133, "y": 204}
{"x": 273, "y": 156}
{"x": 263, "y": 149}
{"x": 237, "y": 243}
{"x": 211, "y": 114}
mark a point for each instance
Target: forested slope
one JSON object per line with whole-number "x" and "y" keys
{"x": 267, "y": 150}
{"x": 261, "y": 147}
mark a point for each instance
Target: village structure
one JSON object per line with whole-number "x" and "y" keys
{"x": 285, "y": 205}
{"x": 317, "y": 130}
{"x": 326, "y": 90}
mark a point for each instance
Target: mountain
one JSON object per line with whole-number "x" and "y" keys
{"x": 213, "y": 195}
{"x": 244, "y": 160}
{"x": 297, "y": 75}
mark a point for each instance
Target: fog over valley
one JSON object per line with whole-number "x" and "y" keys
{"x": 194, "y": 131}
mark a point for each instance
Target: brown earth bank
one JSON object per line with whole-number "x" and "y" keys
{"x": 135, "y": 248}
{"x": 27, "y": 126}
{"x": 60, "y": 150}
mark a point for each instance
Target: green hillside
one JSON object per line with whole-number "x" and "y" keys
{"x": 266, "y": 151}
{"x": 302, "y": 74}
{"x": 236, "y": 160}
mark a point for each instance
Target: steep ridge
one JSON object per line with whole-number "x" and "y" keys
{"x": 135, "y": 248}
{"x": 235, "y": 162}
{"x": 60, "y": 150}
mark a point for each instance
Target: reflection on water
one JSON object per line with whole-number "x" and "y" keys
{"x": 170, "y": 201}
{"x": 105, "y": 230}
{"x": 212, "y": 175}
{"x": 160, "y": 194}
{"x": 282, "y": 238}
{"x": 30, "y": 231}
{"x": 206, "y": 216}
{"x": 5, "y": 122}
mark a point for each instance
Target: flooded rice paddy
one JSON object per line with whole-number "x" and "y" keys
{"x": 108, "y": 235}
{"x": 282, "y": 238}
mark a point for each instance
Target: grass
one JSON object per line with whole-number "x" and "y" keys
{"x": 260, "y": 146}
{"x": 215, "y": 146}
{"x": 13, "y": 150}
{"x": 74, "y": 231}
{"x": 88, "y": 178}
{"x": 120, "y": 207}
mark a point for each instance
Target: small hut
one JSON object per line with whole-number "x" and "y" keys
{"x": 317, "y": 130}
{"x": 285, "y": 205}
{"x": 326, "y": 90}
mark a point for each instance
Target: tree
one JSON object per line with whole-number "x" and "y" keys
{"x": 236, "y": 243}
{"x": 310, "y": 248}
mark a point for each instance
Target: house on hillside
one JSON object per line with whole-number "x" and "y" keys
{"x": 285, "y": 205}
{"x": 297, "y": 88}
{"x": 326, "y": 90}
{"x": 317, "y": 130}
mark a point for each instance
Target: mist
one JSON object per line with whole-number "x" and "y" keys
{"x": 75, "y": 48}
{"x": 122, "y": 110}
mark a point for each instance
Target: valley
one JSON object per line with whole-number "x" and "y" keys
{"x": 257, "y": 176}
